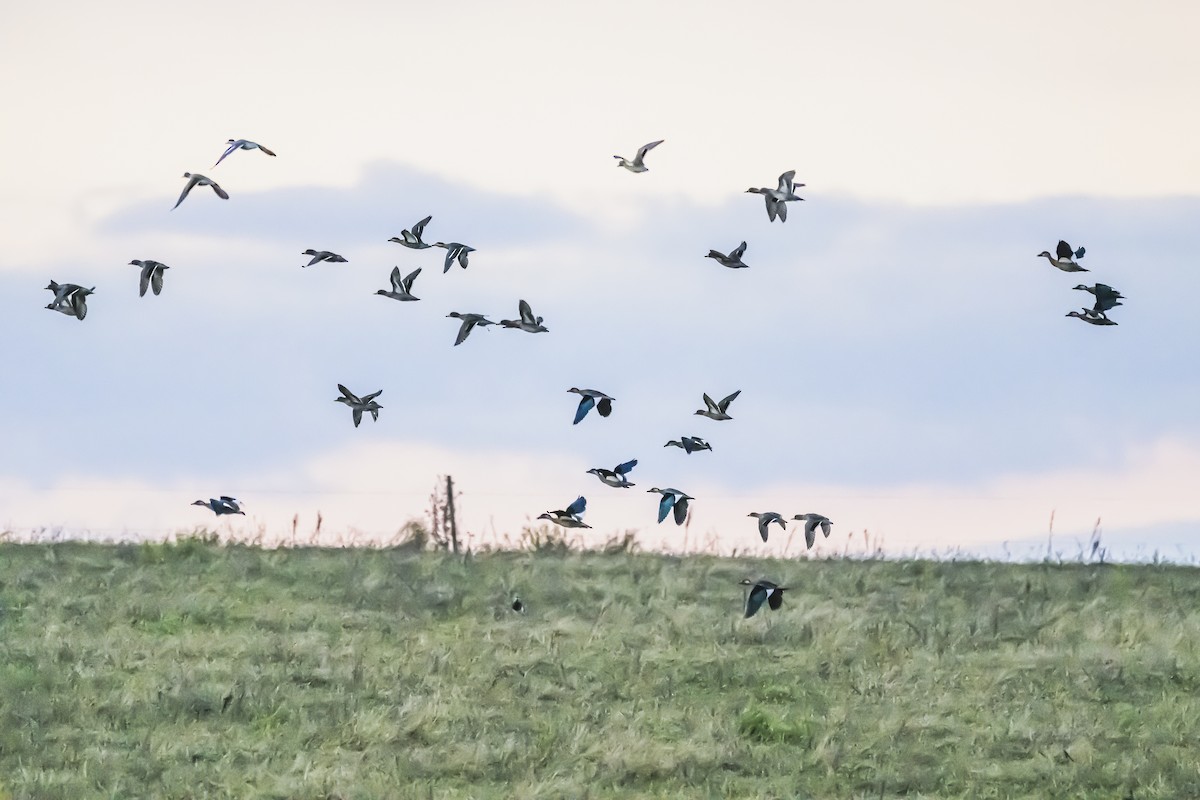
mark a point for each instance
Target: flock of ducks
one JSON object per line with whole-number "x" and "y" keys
{"x": 71, "y": 299}
{"x": 1105, "y": 297}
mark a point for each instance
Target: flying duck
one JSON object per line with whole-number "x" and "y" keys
{"x": 242, "y": 144}
{"x": 733, "y": 260}
{"x": 152, "y": 275}
{"x": 528, "y": 322}
{"x": 636, "y": 164}
{"x": 401, "y": 287}
{"x": 672, "y": 498}
{"x": 469, "y": 321}
{"x": 777, "y": 199}
{"x": 196, "y": 179}
{"x": 615, "y": 477}
{"x": 1088, "y": 315}
{"x": 689, "y": 444}
{"x": 322, "y": 255}
{"x": 1066, "y": 257}
{"x": 69, "y": 299}
{"x": 765, "y": 519}
{"x": 455, "y": 250}
{"x": 358, "y": 404}
{"x": 717, "y": 410}
{"x": 811, "y": 521}
{"x": 413, "y": 238}
{"x": 589, "y": 398}
{"x": 761, "y": 590}
{"x": 570, "y": 517}
{"x": 222, "y": 505}
{"x": 1107, "y": 298}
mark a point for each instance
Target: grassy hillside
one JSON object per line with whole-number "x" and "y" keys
{"x": 195, "y": 670}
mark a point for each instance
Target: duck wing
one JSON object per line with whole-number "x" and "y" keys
{"x": 585, "y": 405}
{"x": 681, "y": 509}
{"x": 191, "y": 182}
{"x": 419, "y": 228}
{"x": 646, "y": 148}
{"x": 156, "y": 279}
{"x": 406, "y": 284}
{"x": 664, "y": 506}
{"x": 754, "y": 600}
{"x": 144, "y": 283}
{"x": 232, "y": 146}
{"x": 724, "y": 404}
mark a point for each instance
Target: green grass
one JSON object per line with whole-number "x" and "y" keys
{"x": 195, "y": 670}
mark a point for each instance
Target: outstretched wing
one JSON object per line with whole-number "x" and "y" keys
{"x": 232, "y": 146}
{"x": 349, "y": 395}
{"x": 419, "y": 228}
{"x": 578, "y": 507}
{"x": 585, "y": 405}
{"x": 754, "y": 600}
{"x": 1064, "y": 250}
{"x": 526, "y": 312}
{"x": 646, "y": 148}
{"x": 681, "y": 509}
{"x": 775, "y": 599}
{"x": 407, "y": 283}
{"x": 738, "y": 251}
{"x": 604, "y": 407}
{"x": 664, "y": 506}
{"x": 624, "y": 469}
{"x": 725, "y": 403}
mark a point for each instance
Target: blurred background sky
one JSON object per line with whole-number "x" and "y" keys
{"x": 905, "y": 361}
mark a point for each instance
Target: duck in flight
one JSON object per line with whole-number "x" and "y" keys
{"x": 636, "y": 164}
{"x": 811, "y": 522}
{"x": 717, "y": 411}
{"x": 672, "y": 500}
{"x": 401, "y": 287}
{"x": 152, "y": 275}
{"x": 455, "y": 250}
{"x": 615, "y": 477}
{"x": 412, "y": 238}
{"x": 765, "y": 518}
{"x": 1107, "y": 298}
{"x": 589, "y": 398}
{"x": 242, "y": 144}
{"x": 69, "y": 299}
{"x": 1065, "y": 259}
{"x": 571, "y": 516}
{"x": 689, "y": 444}
{"x": 358, "y": 404}
{"x": 221, "y": 505}
{"x": 1088, "y": 315}
{"x": 528, "y": 322}
{"x": 196, "y": 179}
{"x": 760, "y": 591}
{"x": 469, "y": 321}
{"x": 322, "y": 255}
{"x": 777, "y": 199}
{"x": 733, "y": 260}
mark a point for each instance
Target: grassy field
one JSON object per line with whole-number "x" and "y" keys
{"x": 194, "y": 670}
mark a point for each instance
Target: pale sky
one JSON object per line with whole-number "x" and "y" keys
{"x": 904, "y": 359}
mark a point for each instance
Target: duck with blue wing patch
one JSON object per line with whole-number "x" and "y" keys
{"x": 615, "y": 477}
{"x": 569, "y": 517}
{"x": 672, "y": 500}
